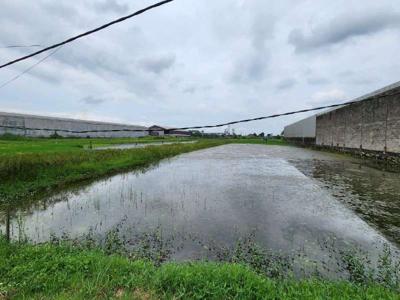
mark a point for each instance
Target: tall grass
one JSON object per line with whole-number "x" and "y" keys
{"x": 12, "y": 145}
{"x": 24, "y": 175}
{"x": 67, "y": 272}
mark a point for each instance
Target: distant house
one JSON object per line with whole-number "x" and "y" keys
{"x": 157, "y": 130}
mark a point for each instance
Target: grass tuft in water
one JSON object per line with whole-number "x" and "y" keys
{"x": 360, "y": 270}
{"x": 49, "y": 271}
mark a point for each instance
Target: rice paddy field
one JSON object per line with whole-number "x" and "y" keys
{"x": 193, "y": 219}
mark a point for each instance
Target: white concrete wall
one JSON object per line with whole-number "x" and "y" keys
{"x": 31, "y": 121}
{"x": 302, "y": 129}
{"x": 370, "y": 125}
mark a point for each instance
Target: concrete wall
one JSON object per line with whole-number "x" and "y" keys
{"x": 369, "y": 124}
{"x": 31, "y": 121}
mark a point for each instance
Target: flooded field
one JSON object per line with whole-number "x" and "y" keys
{"x": 198, "y": 204}
{"x": 372, "y": 194}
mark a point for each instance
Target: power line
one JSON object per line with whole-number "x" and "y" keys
{"x": 28, "y": 69}
{"x": 207, "y": 126}
{"x": 287, "y": 113}
{"x": 20, "y": 46}
{"x": 87, "y": 32}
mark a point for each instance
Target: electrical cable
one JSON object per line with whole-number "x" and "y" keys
{"x": 208, "y": 126}
{"x": 141, "y": 11}
{"x": 28, "y": 69}
{"x": 20, "y": 46}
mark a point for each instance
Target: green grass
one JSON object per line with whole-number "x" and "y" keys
{"x": 24, "y": 175}
{"x": 13, "y": 145}
{"x": 64, "y": 272}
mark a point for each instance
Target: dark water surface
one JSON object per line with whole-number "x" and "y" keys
{"x": 289, "y": 198}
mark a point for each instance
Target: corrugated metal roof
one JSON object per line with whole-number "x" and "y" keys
{"x": 162, "y": 127}
{"x": 68, "y": 119}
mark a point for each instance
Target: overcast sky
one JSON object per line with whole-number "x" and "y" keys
{"x": 195, "y": 62}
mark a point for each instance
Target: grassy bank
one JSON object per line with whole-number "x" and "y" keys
{"x": 64, "y": 272}
{"x": 13, "y": 145}
{"x": 26, "y": 174}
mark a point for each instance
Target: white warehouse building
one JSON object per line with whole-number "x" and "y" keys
{"x": 26, "y": 125}
{"x": 302, "y": 131}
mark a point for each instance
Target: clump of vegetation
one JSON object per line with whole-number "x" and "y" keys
{"x": 150, "y": 246}
{"x": 153, "y": 247}
{"x": 11, "y": 137}
{"x": 65, "y": 271}
{"x": 273, "y": 264}
{"x": 360, "y": 270}
{"x": 55, "y": 135}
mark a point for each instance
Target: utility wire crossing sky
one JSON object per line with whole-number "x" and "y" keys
{"x": 212, "y": 126}
{"x": 195, "y": 62}
{"x": 139, "y": 12}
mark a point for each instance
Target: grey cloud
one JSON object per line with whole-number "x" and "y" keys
{"x": 61, "y": 10}
{"x": 190, "y": 90}
{"x": 317, "y": 81}
{"x": 157, "y": 64}
{"x": 343, "y": 28}
{"x": 365, "y": 81}
{"x": 91, "y": 100}
{"x": 253, "y": 65}
{"x": 45, "y": 75}
{"x": 252, "y": 68}
{"x": 197, "y": 88}
{"x": 243, "y": 55}
{"x": 286, "y": 84}
{"x": 18, "y": 26}
{"x": 327, "y": 97}
{"x": 356, "y": 78}
{"x": 93, "y": 61}
{"x": 255, "y": 68}
{"x": 262, "y": 29}
{"x": 346, "y": 73}
{"x": 110, "y": 5}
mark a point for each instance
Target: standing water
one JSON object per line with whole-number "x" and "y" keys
{"x": 289, "y": 199}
